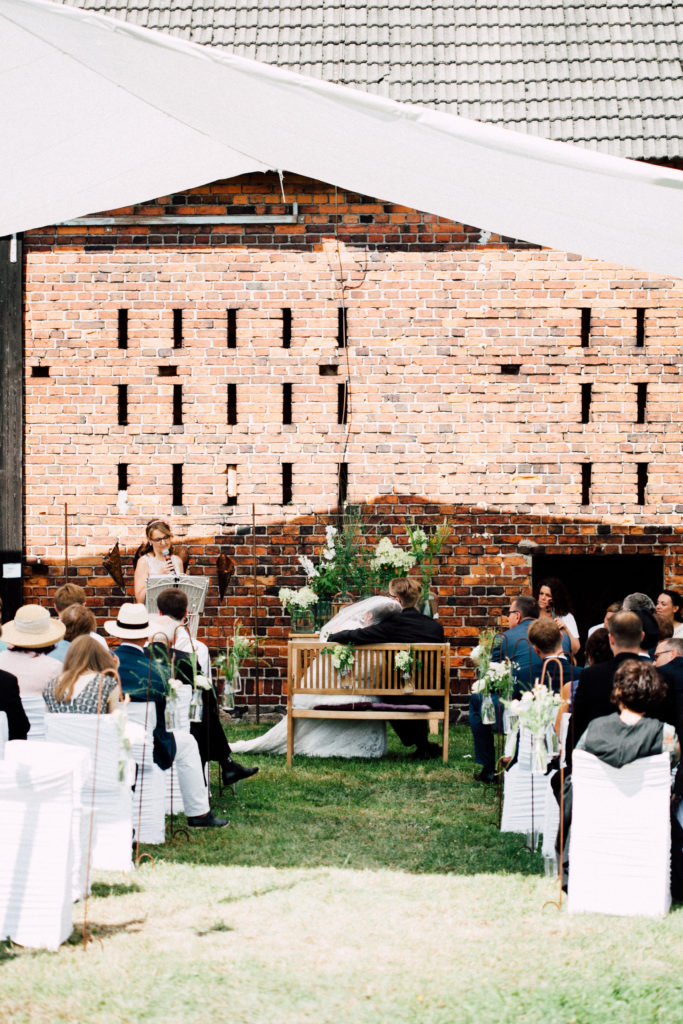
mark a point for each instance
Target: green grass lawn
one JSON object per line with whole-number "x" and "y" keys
{"x": 368, "y": 893}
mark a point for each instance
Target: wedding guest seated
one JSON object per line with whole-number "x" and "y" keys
{"x": 644, "y": 607}
{"x": 669, "y": 664}
{"x": 515, "y": 645}
{"x": 557, "y": 671}
{"x": 409, "y": 626}
{"x": 554, "y": 603}
{"x": 670, "y": 607}
{"x": 618, "y": 739}
{"x": 598, "y": 647}
{"x": 78, "y": 621}
{"x": 143, "y": 679}
{"x": 18, "y": 725}
{"x": 593, "y": 697}
{"x": 612, "y": 609}
{"x": 70, "y": 594}
{"x": 89, "y": 683}
{"x": 31, "y": 635}
{"x": 168, "y": 628}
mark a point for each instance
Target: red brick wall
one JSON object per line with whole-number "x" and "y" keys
{"x": 435, "y": 311}
{"x": 481, "y": 568}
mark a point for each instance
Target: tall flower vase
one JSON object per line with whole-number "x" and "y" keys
{"x": 322, "y": 613}
{"x": 539, "y": 756}
{"x": 301, "y": 620}
{"x": 428, "y": 606}
{"x": 488, "y": 710}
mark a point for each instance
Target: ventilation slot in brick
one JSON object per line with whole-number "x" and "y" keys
{"x": 640, "y": 328}
{"x": 232, "y": 328}
{"x": 342, "y": 402}
{"x": 342, "y": 328}
{"x": 177, "y": 328}
{"x": 286, "y": 483}
{"x": 328, "y": 371}
{"x": 177, "y": 405}
{"x": 586, "y": 475}
{"x": 642, "y": 482}
{"x": 231, "y": 494}
{"x": 168, "y": 371}
{"x": 123, "y": 404}
{"x": 586, "y": 397}
{"x": 40, "y": 371}
{"x": 123, "y": 476}
{"x": 177, "y": 483}
{"x": 287, "y": 404}
{"x": 342, "y": 483}
{"x": 642, "y": 403}
{"x": 123, "y": 328}
{"x": 232, "y": 405}
{"x": 585, "y": 328}
{"x": 511, "y": 369}
{"x": 286, "y": 328}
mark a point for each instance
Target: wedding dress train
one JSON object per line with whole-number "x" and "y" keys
{"x": 323, "y": 737}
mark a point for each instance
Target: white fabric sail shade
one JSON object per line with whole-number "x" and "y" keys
{"x": 98, "y": 114}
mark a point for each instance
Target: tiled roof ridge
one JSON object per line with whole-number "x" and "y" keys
{"x": 608, "y": 74}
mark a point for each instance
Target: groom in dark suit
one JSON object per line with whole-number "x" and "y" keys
{"x": 408, "y": 626}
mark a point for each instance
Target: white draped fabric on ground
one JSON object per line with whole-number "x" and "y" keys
{"x": 122, "y": 115}
{"x": 323, "y": 738}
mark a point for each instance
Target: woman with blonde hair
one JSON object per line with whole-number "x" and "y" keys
{"x": 158, "y": 559}
{"x": 89, "y": 683}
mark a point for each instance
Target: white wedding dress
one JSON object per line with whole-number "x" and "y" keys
{"x": 330, "y": 738}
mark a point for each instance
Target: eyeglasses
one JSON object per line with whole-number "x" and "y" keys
{"x": 658, "y": 654}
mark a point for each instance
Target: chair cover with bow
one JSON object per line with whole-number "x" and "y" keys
{"x": 149, "y": 797}
{"x": 524, "y": 793}
{"x": 78, "y": 759}
{"x": 4, "y": 733}
{"x": 620, "y": 845}
{"x": 36, "y": 853}
{"x": 35, "y": 712}
{"x": 109, "y": 784}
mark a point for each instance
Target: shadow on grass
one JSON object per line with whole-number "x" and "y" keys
{"x": 104, "y": 889}
{"x": 420, "y": 817}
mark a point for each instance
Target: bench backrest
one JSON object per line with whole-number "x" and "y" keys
{"x": 311, "y": 670}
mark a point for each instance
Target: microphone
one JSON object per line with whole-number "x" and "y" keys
{"x": 166, "y": 552}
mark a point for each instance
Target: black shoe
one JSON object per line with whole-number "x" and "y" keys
{"x": 428, "y": 752}
{"x": 487, "y": 777}
{"x": 233, "y": 772}
{"x": 208, "y": 820}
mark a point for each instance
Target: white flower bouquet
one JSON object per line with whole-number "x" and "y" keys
{"x": 297, "y": 600}
{"x": 536, "y": 710}
{"x": 343, "y": 657}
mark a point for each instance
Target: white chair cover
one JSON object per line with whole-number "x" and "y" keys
{"x": 78, "y": 759}
{"x": 524, "y": 794}
{"x": 620, "y": 844}
{"x": 174, "y": 797}
{"x": 150, "y": 793}
{"x": 551, "y": 820}
{"x": 4, "y": 733}
{"x": 35, "y": 712}
{"x": 36, "y": 866}
{"x": 110, "y": 794}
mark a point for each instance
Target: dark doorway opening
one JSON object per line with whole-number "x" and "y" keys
{"x": 595, "y": 581}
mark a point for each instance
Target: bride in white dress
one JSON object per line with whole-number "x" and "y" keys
{"x": 331, "y": 738}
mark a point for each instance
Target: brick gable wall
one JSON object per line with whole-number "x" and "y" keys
{"x": 465, "y": 365}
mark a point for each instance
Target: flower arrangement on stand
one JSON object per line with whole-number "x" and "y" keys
{"x": 425, "y": 546}
{"x": 343, "y": 658}
{"x": 229, "y": 662}
{"x": 493, "y": 677}
{"x": 390, "y": 561}
{"x": 299, "y": 604}
{"x": 536, "y": 710}
{"x": 406, "y": 663}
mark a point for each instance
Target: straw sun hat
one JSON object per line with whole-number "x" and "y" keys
{"x": 33, "y": 627}
{"x": 132, "y": 622}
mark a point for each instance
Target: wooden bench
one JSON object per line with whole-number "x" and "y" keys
{"x": 373, "y": 674}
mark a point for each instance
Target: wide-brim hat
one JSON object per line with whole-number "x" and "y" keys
{"x": 132, "y": 622}
{"x": 33, "y": 627}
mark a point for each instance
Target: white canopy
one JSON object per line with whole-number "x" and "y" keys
{"x": 98, "y": 114}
